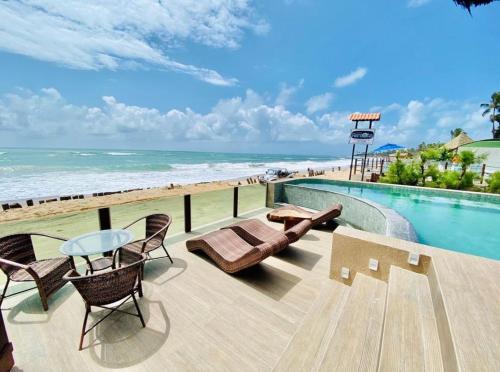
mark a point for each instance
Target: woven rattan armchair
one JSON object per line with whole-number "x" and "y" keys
{"x": 156, "y": 228}
{"x": 106, "y": 288}
{"x": 18, "y": 262}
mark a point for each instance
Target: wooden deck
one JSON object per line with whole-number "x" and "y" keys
{"x": 197, "y": 317}
{"x": 284, "y": 314}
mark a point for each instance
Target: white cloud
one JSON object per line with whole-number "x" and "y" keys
{"x": 287, "y": 92}
{"x": 431, "y": 120}
{"x": 350, "y": 78}
{"x": 319, "y": 103}
{"x": 417, "y": 3}
{"x": 97, "y": 35}
{"x": 28, "y": 116}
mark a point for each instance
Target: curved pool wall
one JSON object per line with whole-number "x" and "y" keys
{"x": 360, "y": 213}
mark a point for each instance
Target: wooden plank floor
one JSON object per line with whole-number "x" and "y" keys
{"x": 197, "y": 317}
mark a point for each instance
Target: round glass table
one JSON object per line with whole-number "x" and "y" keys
{"x": 96, "y": 242}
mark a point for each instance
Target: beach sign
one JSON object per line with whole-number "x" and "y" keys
{"x": 362, "y": 136}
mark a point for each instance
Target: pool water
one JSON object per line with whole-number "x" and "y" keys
{"x": 460, "y": 225}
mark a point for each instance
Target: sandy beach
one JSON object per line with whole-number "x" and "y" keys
{"x": 80, "y": 205}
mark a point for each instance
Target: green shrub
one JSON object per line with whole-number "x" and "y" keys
{"x": 450, "y": 180}
{"x": 402, "y": 174}
{"x": 411, "y": 174}
{"x": 433, "y": 172}
{"x": 467, "y": 181}
{"x": 494, "y": 182}
{"x": 395, "y": 172}
{"x": 454, "y": 180}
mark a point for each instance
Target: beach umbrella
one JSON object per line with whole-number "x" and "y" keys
{"x": 460, "y": 140}
{"x": 388, "y": 147}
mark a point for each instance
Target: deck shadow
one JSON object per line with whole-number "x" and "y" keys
{"x": 299, "y": 257}
{"x": 268, "y": 280}
{"x": 161, "y": 271}
{"x": 31, "y": 306}
{"x": 310, "y": 238}
{"x": 121, "y": 341}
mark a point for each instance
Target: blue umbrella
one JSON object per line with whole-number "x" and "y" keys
{"x": 388, "y": 147}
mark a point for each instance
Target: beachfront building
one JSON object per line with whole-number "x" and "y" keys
{"x": 490, "y": 148}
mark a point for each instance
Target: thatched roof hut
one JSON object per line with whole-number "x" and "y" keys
{"x": 460, "y": 140}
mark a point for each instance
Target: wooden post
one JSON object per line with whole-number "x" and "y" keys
{"x": 381, "y": 166}
{"x": 104, "y": 219}
{"x": 355, "y": 166}
{"x": 483, "y": 170}
{"x": 366, "y": 153}
{"x": 105, "y": 224}
{"x": 352, "y": 154}
{"x": 446, "y": 166}
{"x": 235, "y": 202}
{"x": 187, "y": 213}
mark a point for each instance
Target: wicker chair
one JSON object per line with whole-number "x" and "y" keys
{"x": 106, "y": 288}
{"x": 156, "y": 229}
{"x": 18, "y": 262}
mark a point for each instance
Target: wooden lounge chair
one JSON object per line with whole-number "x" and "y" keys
{"x": 156, "y": 228}
{"x": 107, "y": 288}
{"x": 256, "y": 232}
{"x": 317, "y": 218}
{"x": 18, "y": 262}
{"x": 229, "y": 251}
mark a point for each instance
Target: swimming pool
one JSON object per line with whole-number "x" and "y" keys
{"x": 454, "y": 223}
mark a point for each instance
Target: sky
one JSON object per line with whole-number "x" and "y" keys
{"x": 277, "y": 76}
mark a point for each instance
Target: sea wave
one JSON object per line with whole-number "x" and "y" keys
{"x": 3, "y": 153}
{"x": 25, "y": 182}
{"x": 121, "y": 153}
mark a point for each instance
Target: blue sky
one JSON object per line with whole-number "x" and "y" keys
{"x": 251, "y": 76}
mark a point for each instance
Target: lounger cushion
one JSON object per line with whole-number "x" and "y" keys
{"x": 327, "y": 214}
{"x": 256, "y": 232}
{"x": 317, "y": 218}
{"x": 230, "y": 252}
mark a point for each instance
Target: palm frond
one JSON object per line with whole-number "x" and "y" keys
{"x": 467, "y": 4}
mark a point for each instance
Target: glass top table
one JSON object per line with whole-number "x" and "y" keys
{"x": 96, "y": 242}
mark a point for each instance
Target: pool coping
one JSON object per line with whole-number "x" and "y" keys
{"x": 397, "y": 226}
{"x": 459, "y": 194}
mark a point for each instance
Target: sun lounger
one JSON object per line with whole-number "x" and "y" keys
{"x": 317, "y": 218}
{"x": 229, "y": 251}
{"x": 257, "y": 232}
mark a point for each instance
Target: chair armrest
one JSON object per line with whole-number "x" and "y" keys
{"x": 133, "y": 223}
{"x": 156, "y": 233}
{"x": 22, "y": 267}
{"x": 71, "y": 274}
{"x": 14, "y": 264}
{"x": 49, "y": 236}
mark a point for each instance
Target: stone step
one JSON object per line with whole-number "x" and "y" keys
{"x": 355, "y": 344}
{"x": 312, "y": 335}
{"x": 410, "y": 340}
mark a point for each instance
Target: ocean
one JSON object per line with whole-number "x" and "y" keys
{"x": 37, "y": 173}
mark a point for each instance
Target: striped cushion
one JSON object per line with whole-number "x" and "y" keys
{"x": 256, "y": 232}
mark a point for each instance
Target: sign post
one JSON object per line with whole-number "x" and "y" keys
{"x": 362, "y": 136}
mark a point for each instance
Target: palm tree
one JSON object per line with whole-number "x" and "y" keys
{"x": 491, "y": 109}
{"x": 456, "y": 132}
{"x": 468, "y": 3}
